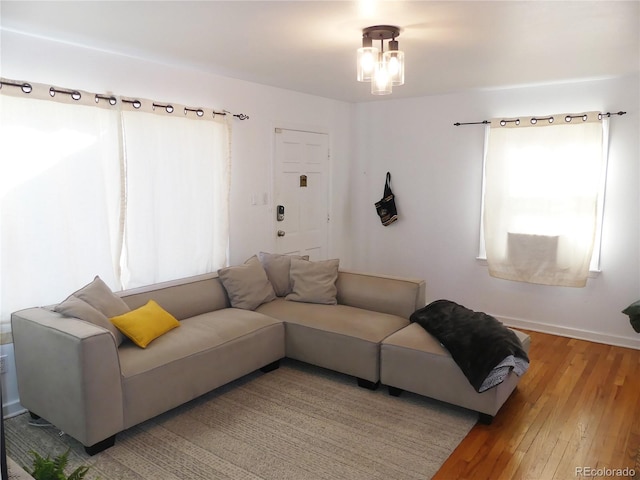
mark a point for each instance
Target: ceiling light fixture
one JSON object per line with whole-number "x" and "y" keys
{"x": 382, "y": 69}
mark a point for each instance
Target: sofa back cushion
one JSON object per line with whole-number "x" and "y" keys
{"x": 393, "y": 295}
{"x": 314, "y": 282}
{"x": 182, "y": 298}
{"x": 247, "y": 285}
{"x": 278, "y": 269}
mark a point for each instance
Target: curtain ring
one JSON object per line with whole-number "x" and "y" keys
{"x": 168, "y": 108}
{"x": 76, "y": 95}
{"x": 111, "y": 99}
{"x": 136, "y": 103}
{"x": 198, "y": 111}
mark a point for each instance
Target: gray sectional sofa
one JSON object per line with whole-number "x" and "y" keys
{"x": 80, "y": 375}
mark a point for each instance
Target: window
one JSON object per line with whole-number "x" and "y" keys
{"x": 89, "y": 189}
{"x": 542, "y": 198}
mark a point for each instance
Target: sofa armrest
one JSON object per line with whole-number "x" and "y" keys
{"x": 68, "y": 373}
{"x": 380, "y": 293}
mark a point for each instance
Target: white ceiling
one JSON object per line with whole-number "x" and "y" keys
{"x": 309, "y": 46}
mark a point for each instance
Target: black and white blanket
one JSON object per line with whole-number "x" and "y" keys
{"x": 484, "y": 349}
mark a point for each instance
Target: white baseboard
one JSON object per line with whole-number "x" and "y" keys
{"x": 579, "y": 334}
{"x": 11, "y": 409}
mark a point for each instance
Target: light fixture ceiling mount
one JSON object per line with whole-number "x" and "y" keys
{"x": 381, "y": 32}
{"x": 382, "y": 69}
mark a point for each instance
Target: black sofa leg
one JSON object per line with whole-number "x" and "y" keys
{"x": 270, "y": 367}
{"x": 485, "y": 419}
{"x": 368, "y": 384}
{"x": 395, "y": 391}
{"x": 100, "y": 446}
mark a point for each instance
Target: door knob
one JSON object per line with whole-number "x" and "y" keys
{"x": 281, "y": 233}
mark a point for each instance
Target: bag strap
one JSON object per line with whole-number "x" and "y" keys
{"x": 387, "y": 186}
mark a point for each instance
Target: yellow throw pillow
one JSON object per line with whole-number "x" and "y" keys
{"x": 145, "y": 324}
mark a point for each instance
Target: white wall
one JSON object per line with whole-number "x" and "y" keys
{"x": 436, "y": 174}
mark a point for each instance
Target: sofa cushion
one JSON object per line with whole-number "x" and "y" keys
{"x": 415, "y": 338}
{"x": 195, "y": 335}
{"x": 75, "y": 307}
{"x": 207, "y": 351}
{"x": 339, "y": 319}
{"x": 397, "y": 296}
{"x": 143, "y": 325}
{"x": 338, "y": 337}
{"x": 314, "y": 282}
{"x": 247, "y": 285}
{"x": 278, "y": 267}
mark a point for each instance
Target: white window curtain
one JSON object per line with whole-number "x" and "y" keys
{"x": 102, "y": 185}
{"x": 543, "y": 178}
{"x": 59, "y": 200}
{"x": 177, "y": 189}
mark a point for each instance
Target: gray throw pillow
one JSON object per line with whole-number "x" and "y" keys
{"x": 99, "y": 296}
{"x": 277, "y": 267}
{"x": 314, "y": 282}
{"x": 247, "y": 285}
{"x": 75, "y": 307}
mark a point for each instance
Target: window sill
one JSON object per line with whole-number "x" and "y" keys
{"x": 483, "y": 261}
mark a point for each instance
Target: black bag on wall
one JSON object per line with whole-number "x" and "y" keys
{"x": 386, "y": 207}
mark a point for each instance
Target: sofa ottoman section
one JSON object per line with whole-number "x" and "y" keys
{"x": 413, "y": 360}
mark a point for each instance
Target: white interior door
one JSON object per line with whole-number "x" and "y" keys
{"x": 302, "y": 190}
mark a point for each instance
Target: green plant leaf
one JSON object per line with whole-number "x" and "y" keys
{"x": 53, "y": 469}
{"x": 79, "y": 473}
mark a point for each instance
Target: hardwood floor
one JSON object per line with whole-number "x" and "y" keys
{"x": 578, "y": 405}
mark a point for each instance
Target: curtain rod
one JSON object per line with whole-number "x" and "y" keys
{"x": 113, "y": 100}
{"x": 486, "y": 122}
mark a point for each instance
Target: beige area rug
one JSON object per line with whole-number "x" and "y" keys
{"x": 298, "y": 422}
